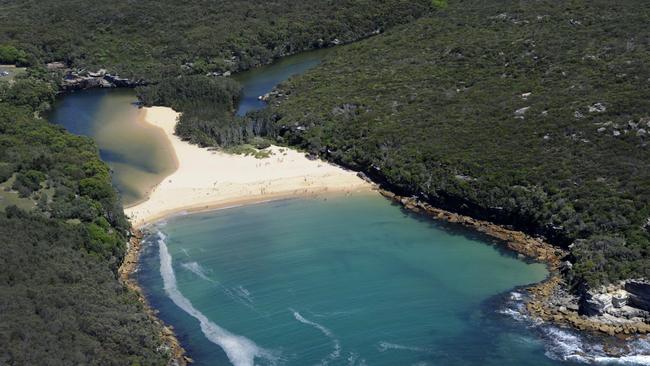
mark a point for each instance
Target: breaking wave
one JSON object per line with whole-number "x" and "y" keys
{"x": 564, "y": 345}
{"x": 567, "y": 345}
{"x": 336, "y": 353}
{"x": 240, "y": 350}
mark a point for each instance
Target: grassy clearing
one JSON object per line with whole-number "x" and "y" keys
{"x": 13, "y": 72}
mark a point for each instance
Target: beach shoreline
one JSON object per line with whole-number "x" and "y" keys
{"x": 206, "y": 179}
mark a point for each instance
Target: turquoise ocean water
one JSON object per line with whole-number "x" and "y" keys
{"x": 339, "y": 281}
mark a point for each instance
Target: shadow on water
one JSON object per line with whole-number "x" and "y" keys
{"x": 458, "y": 229}
{"x": 257, "y": 82}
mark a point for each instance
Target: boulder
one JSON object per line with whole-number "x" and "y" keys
{"x": 594, "y": 304}
{"x": 521, "y": 111}
{"x": 53, "y": 66}
{"x": 639, "y": 294}
{"x": 620, "y": 299}
{"x": 105, "y": 83}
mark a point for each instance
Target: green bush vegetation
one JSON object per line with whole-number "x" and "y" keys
{"x": 62, "y": 306}
{"x": 12, "y": 56}
{"x": 533, "y": 114}
{"x": 207, "y": 106}
{"x": 155, "y": 39}
{"x": 60, "y": 300}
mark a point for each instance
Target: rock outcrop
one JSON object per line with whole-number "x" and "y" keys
{"x": 101, "y": 79}
{"x": 638, "y": 294}
{"x": 605, "y": 310}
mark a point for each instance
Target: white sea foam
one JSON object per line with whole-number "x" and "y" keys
{"x": 517, "y": 296}
{"x": 566, "y": 345}
{"x": 385, "y": 346}
{"x": 187, "y": 254}
{"x": 196, "y": 268}
{"x": 240, "y": 350}
{"x": 563, "y": 345}
{"x": 336, "y": 353}
{"x": 625, "y": 360}
{"x": 513, "y": 313}
{"x": 515, "y": 307}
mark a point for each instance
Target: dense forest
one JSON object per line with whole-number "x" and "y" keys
{"x": 164, "y": 42}
{"x": 207, "y": 106}
{"x": 529, "y": 113}
{"x": 156, "y": 39}
{"x": 64, "y": 238}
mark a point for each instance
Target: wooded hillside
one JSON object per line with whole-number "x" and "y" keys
{"x": 529, "y": 113}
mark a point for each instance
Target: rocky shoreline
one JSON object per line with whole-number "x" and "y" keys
{"x": 552, "y": 302}
{"x": 620, "y": 310}
{"x": 178, "y": 355}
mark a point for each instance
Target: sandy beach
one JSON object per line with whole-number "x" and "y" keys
{"x": 206, "y": 179}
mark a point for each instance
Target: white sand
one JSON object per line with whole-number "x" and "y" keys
{"x": 208, "y": 179}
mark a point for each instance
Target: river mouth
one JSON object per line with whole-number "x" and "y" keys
{"x": 138, "y": 154}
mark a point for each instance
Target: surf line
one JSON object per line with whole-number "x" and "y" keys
{"x": 240, "y": 350}
{"x": 336, "y": 353}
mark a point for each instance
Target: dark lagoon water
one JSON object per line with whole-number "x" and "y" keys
{"x": 260, "y": 81}
{"x": 138, "y": 154}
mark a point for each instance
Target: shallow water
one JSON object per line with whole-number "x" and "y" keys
{"x": 138, "y": 154}
{"x": 343, "y": 281}
{"x": 260, "y": 81}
